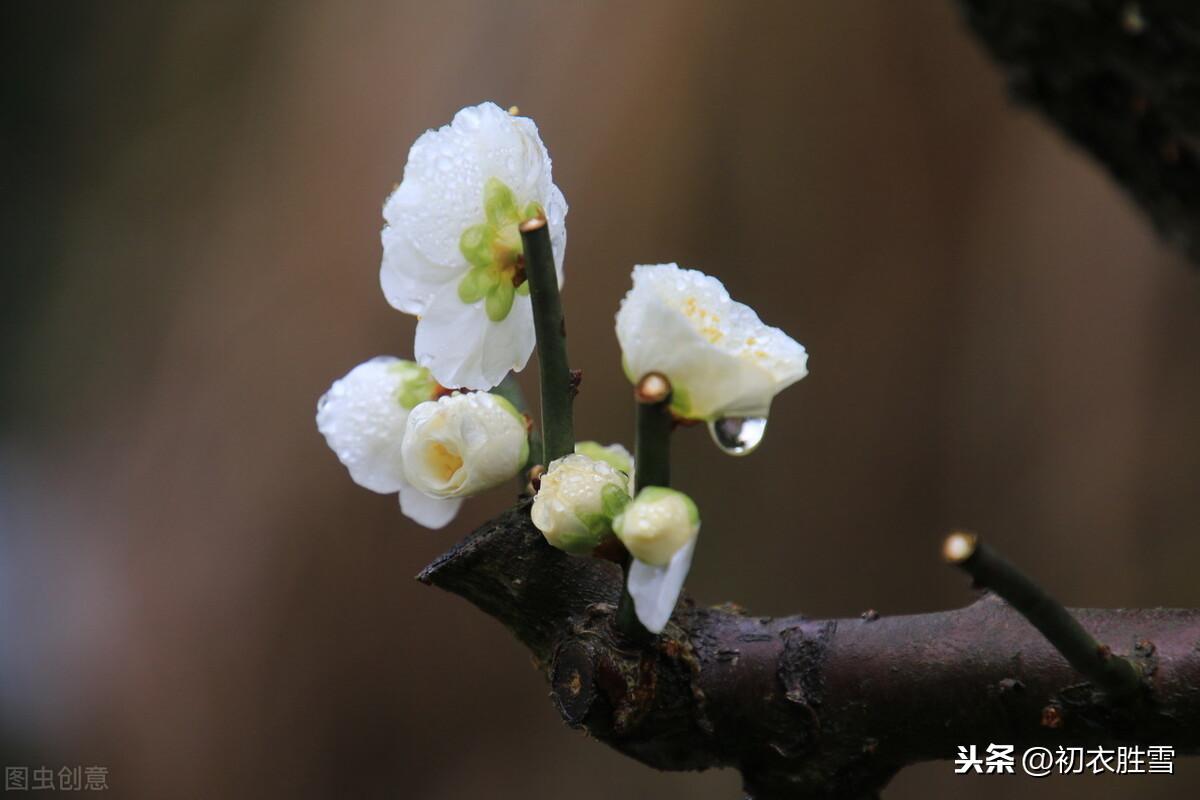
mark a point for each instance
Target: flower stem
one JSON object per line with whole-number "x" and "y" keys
{"x": 558, "y": 426}
{"x": 652, "y": 467}
{"x": 1096, "y": 662}
{"x": 652, "y": 445}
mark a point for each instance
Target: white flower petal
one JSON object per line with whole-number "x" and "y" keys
{"x": 556, "y": 219}
{"x": 508, "y": 344}
{"x": 364, "y": 424}
{"x": 449, "y": 340}
{"x": 656, "y": 589}
{"x": 463, "y": 444}
{"x": 431, "y": 512}
{"x": 464, "y": 349}
{"x": 720, "y": 358}
{"x": 408, "y": 279}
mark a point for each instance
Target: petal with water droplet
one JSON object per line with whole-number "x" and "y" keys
{"x": 363, "y": 422}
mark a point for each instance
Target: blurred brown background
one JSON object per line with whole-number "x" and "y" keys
{"x": 192, "y": 591}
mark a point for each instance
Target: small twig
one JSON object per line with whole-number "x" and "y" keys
{"x": 652, "y": 467}
{"x": 1096, "y": 662}
{"x": 652, "y": 445}
{"x": 558, "y": 426}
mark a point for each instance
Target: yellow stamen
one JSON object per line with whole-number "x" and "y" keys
{"x": 442, "y": 462}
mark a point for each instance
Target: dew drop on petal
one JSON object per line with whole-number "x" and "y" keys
{"x": 738, "y": 436}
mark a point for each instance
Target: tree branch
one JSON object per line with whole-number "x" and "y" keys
{"x": 989, "y": 570}
{"x": 815, "y": 708}
{"x": 1120, "y": 79}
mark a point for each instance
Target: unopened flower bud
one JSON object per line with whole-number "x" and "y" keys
{"x": 577, "y": 500}
{"x": 657, "y": 524}
{"x": 464, "y": 444}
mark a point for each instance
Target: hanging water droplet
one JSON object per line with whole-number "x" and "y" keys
{"x": 738, "y": 436}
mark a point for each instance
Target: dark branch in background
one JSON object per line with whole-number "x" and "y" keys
{"x": 1117, "y": 676}
{"x": 1122, "y": 80}
{"x": 815, "y": 708}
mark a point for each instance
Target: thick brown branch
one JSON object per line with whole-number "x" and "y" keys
{"x": 814, "y": 708}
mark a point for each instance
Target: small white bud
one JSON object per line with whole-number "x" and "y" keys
{"x": 657, "y": 524}
{"x": 576, "y": 502}
{"x": 659, "y": 527}
{"x": 464, "y": 444}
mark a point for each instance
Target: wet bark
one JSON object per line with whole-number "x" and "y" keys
{"x": 815, "y": 708}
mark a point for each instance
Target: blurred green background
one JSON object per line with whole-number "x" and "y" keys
{"x": 192, "y": 591}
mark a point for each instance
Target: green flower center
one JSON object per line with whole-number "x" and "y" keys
{"x": 495, "y": 253}
{"x": 415, "y": 385}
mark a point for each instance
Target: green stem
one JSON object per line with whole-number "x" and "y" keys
{"x": 652, "y": 467}
{"x": 558, "y": 426}
{"x": 652, "y": 445}
{"x": 1115, "y": 674}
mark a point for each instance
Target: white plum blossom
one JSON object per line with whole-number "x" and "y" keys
{"x": 576, "y": 501}
{"x": 659, "y": 528}
{"x": 363, "y": 418}
{"x": 721, "y": 360}
{"x": 463, "y": 444}
{"x": 452, "y": 253}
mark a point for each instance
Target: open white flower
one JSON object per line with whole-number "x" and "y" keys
{"x": 463, "y": 444}
{"x": 363, "y": 418}
{"x": 659, "y": 528}
{"x": 721, "y": 360}
{"x": 452, "y": 253}
{"x": 576, "y": 501}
